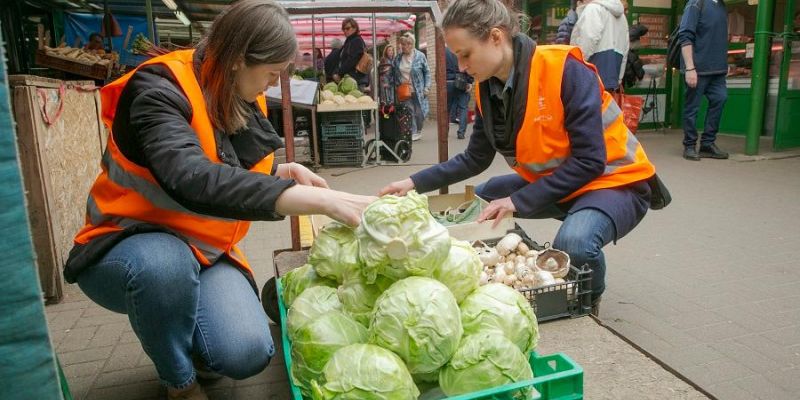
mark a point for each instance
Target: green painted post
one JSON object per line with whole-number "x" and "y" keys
{"x": 148, "y": 9}
{"x": 759, "y": 80}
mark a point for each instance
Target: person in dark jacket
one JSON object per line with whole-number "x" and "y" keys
{"x": 564, "y": 33}
{"x": 543, "y": 110}
{"x": 459, "y": 86}
{"x": 332, "y": 60}
{"x": 703, "y": 37}
{"x": 188, "y": 163}
{"x": 352, "y": 51}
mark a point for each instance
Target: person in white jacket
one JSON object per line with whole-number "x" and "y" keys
{"x": 602, "y": 35}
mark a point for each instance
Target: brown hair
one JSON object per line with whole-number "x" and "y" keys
{"x": 254, "y": 31}
{"x": 352, "y": 22}
{"x": 386, "y": 50}
{"x": 478, "y": 17}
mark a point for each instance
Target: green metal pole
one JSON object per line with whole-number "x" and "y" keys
{"x": 148, "y": 9}
{"x": 759, "y": 79}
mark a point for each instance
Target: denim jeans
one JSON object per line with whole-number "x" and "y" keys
{"x": 178, "y": 309}
{"x": 582, "y": 235}
{"x": 457, "y": 103}
{"x": 715, "y": 89}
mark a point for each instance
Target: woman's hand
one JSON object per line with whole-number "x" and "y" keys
{"x": 347, "y": 208}
{"x": 496, "y": 210}
{"x": 336, "y": 78}
{"x": 398, "y": 188}
{"x": 301, "y": 174}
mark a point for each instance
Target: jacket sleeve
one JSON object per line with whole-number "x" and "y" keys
{"x": 173, "y": 155}
{"x": 475, "y": 159}
{"x": 580, "y": 94}
{"x": 687, "y": 33}
{"x": 589, "y": 30}
{"x": 426, "y": 71}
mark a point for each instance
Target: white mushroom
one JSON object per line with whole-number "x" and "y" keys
{"x": 508, "y": 243}
{"x": 522, "y": 248}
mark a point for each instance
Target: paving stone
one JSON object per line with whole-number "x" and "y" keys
{"x": 770, "y": 349}
{"x": 79, "y": 386}
{"x": 125, "y": 356}
{"x": 108, "y": 334}
{"x": 77, "y": 339}
{"x": 717, "y": 332}
{"x": 126, "y": 377}
{"x": 147, "y": 390}
{"x": 785, "y": 336}
{"x": 81, "y": 356}
{"x": 761, "y": 388}
{"x": 715, "y": 372}
{"x": 263, "y": 392}
{"x": 90, "y": 369}
{"x": 788, "y": 379}
{"x": 64, "y": 320}
{"x": 102, "y": 320}
{"x": 729, "y": 391}
{"x": 751, "y": 359}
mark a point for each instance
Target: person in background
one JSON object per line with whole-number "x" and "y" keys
{"x": 95, "y": 42}
{"x": 386, "y": 77}
{"x": 459, "y": 86}
{"x": 352, "y": 50}
{"x": 332, "y": 60}
{"x": 411, "y": 66}
{"x": 543, "y": 109}
{"x": 634, "y": 68}
{"x": 797, "y": 22}
{"x": 564, "y": 33}
{"x": 703, "y": 37}
{"x": 602, "y": 35}
{"x": 319, "y": 61}
{"x": 189, "y": 162}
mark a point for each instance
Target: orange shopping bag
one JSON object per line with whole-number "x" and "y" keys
{"x": 631, "y": 106}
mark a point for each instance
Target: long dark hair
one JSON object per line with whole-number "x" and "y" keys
{"x": 253, "y": 31}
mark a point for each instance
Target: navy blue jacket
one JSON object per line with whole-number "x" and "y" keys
{"x": 707, "y": 32}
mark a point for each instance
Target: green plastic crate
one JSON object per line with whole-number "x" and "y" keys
{"x": 556, "y": 376}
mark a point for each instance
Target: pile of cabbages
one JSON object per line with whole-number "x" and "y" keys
{"x": 394, "y": 308}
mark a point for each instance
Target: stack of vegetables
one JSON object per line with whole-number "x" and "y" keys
{"x": 394, "y": 308}
{"x": 346, "y": 92}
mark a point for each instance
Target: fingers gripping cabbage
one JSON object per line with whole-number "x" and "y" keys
{"x": 316, "y": 341}
{"x": 300, "y": 279}
{"x": 310, "y": 305}
{"x": 497, "y": 307}
{"x": 461, "y": 271}
{"x": 365, "y": 372}
{"x": 334, "y": 252}
{"x": 418, "y": 319}
{"x": 398, "y": 238}
{"x": 483, "y": 361}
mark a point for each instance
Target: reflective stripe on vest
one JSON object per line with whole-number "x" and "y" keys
{"x": 126, "y": 194}
{"x": 542, "y": 143}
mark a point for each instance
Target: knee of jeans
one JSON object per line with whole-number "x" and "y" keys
{"x": 244, "y": 356}
{"x": 164, "y": 261}
{"x": 480, "y": 190}
{"x": 581, "y": 248}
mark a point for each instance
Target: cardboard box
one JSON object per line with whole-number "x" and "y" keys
{"x": 438, "y": 203}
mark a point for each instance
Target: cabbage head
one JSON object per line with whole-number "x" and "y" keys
{"x": 398, "y": 237}
{"x": 418, "y": 319}
{"x": 461, "y": 271}
{"x": 483, "y": 361}
{"x": 497, "y": 307}
{"x": 299, "y": 279}
{"x": 358, "y": 297}
{"x": 315, "y": 343}
{"x": 335, "y": 251}
{"x": 347, "y": 84}
{"x": 331, "y": 86}
{"x": 310, "y": 305}
{"x": 365, "y": 372}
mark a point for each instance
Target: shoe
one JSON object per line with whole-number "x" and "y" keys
{"x": 202, "y": 371}
{"x": 460, "y": 136}
{"x": 690, "y": 153}
{"x": 416, "y": 136}
{"x": 596, "y": 306}
{"x": 712, "y": 151}
{"x": 453, "y": 122}
{"x": 193, "y": 392}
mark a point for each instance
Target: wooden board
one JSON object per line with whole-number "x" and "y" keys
{"x": 347, "y": 107}
{"x": 59, "y": 163}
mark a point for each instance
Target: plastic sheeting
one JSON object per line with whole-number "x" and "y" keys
{"x": 27, "y": 364}
{"x": 77, "y": 25}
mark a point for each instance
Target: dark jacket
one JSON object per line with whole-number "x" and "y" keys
{"x": 495, "y": 131}
{"x": 564, "y": 33}
{"x": 352, "y": 50}
{"x": 332, "y": 63}
{"x": 152, "y": 129}
{"x": 452, "y": 70}
{"x": 707, "y": 32}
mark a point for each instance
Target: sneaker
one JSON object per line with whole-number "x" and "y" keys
{"x": 712, "y": 151}
{"x": 460, "y": 136}
{"x": 596, "y": 306}
{"x": 193, "y": 392}
{"x": 690, "y": 153}
{"x": 416, "y": 136}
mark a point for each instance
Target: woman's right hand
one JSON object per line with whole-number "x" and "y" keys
{"x": 347, "y": 208}
{"x": 398, "y": 188}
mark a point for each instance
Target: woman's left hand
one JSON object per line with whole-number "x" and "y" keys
{"x": 496, "y": 210}
{"x": 301, "y": 174}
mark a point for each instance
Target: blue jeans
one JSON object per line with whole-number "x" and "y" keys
{"x": 715, "y": 89}
{"x": 457, "y": 103}
{"x": 582, "y": 235}
{"x": 178, "y": 309}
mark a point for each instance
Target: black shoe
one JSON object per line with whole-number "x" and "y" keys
{"x": 712, "y": 151}
{"x": 460, "y": 136}
{"x": 690, "y": 153}
{"x": 596, "y": 306}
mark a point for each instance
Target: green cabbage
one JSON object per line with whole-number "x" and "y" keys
{"x": 310, "y": 305}
{"x": 299, "y": 279}
{"x": 418, "y": 319}
{"x": 483, "y": 361}
{"x": 358, "y": 297}
{"x": 315, "y": 343}
{"x": 461, "y": 271}
{"x": 335, "y": 251}
{"x": 347, "y": 84}
{"x": 365, "y": 372}
{"x": 497, "y": 307}
{"x": 332, "y": 86}
{"x": 356, "y": 93}
{"x": 398, "y": 238}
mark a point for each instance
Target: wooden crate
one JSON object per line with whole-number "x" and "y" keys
{"x": 95, "y": 71}
{"x": 59, "y": 162}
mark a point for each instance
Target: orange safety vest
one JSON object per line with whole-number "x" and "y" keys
{"x": 543, "y": 143}
{"x": 125, "y": 194}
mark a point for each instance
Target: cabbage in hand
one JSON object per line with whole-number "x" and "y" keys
{"x": 365, "y": 372}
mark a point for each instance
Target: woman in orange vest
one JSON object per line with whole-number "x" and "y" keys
{"x": 545, "y": 111}
{"x": 189, "y": 162}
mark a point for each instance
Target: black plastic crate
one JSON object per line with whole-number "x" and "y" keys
{"x": 340, "y": 117}
{"x": 573, "y": 298}
{"x": 341, "y": 124}
{"x": 354, "y": 159}
{"x": 343, "y": 143}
